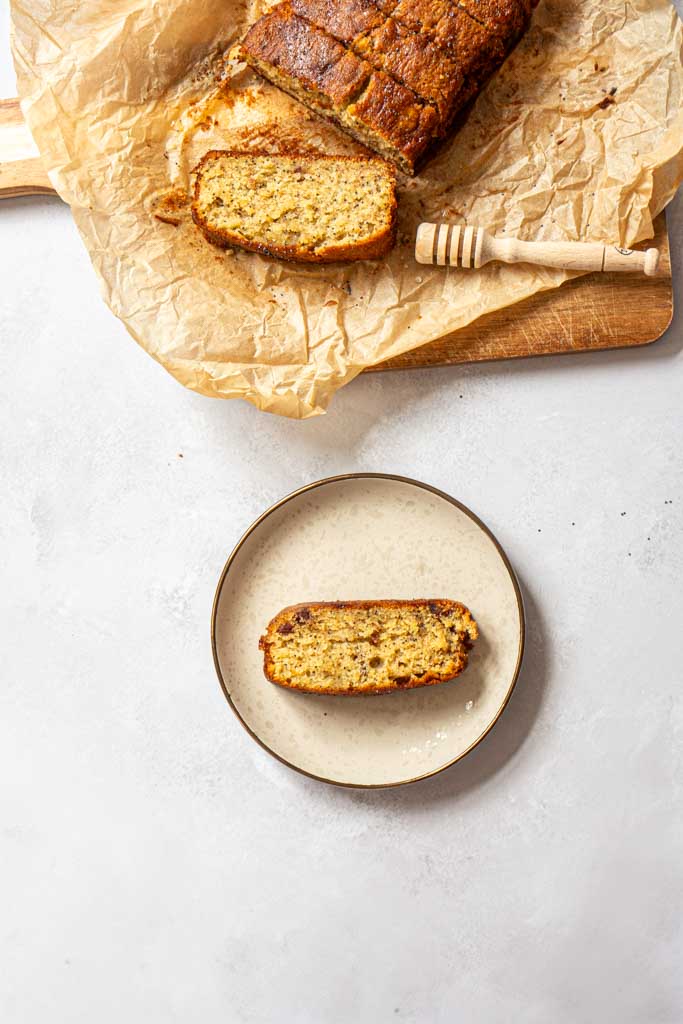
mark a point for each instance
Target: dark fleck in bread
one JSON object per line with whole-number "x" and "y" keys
{"x": 367, "y": 647}
{"x": 302, "y": 208}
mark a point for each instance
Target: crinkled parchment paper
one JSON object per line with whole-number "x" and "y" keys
{"x": 579, "y": 136}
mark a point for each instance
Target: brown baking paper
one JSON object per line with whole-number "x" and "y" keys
{"x": 579, "y": 136}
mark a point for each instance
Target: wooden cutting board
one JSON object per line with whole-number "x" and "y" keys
{"x": 598, "y": 311}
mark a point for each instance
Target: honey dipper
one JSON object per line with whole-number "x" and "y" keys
{"x": 450, "y": 245}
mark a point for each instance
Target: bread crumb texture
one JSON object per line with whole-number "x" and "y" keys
{"x": 314, "y": 209}
{"x": 368, "y": 647}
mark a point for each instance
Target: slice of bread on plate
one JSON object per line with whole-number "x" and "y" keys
{"x": 367, "y": 647}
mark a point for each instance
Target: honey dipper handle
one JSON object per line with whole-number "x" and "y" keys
{"x": 452, "y": 245}
{"x": 582, "y": 256}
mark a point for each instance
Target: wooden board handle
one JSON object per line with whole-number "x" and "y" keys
{"x": 21, "y": 169}
{"x": 451, "y": 245}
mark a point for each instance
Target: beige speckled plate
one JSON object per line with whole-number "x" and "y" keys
{"x": 368, "y": 536}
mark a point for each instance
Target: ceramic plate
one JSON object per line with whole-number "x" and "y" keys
{"x": 368, "y": 536}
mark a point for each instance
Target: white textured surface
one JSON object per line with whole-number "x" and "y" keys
{"x": 156, "y": 865}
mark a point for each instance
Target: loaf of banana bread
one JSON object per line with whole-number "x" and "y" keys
{"x": 393, "y": 73}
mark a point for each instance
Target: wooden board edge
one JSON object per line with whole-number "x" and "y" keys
{"x": 390, "y": 367}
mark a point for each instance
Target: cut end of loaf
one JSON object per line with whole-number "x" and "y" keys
{"x": 368, "y": 647}
{"x": 302, "y": 208}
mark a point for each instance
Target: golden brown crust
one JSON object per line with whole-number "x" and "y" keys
{"x": 386, "y": 6}
{"x": 476, "y": 49}
{"x": 415, "y": 61}
{"x": 404, "y": 51}
{"x": 344, "y": 20}
{"x": 305, "y": 61}
{"x": 395, "y": 115}
{"x": 393, "y": 73}
{"x": 420, "y": 15}
{"x": 507, "y": 17}
{"x": 374, "y": 247}
{"x": 303, "y": 52}
{"x": 296, "y": 616}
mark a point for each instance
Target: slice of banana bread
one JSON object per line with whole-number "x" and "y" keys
{"x": 302, "y": 208}
{"x": 390, "y": 119}
{"x": 367, "y": 647}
